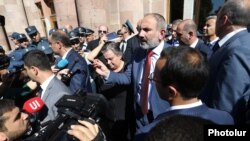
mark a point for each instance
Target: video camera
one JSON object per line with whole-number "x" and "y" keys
{"x": 71, "y": 108}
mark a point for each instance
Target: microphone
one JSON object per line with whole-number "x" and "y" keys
{"x": 62, "y": 64}
{"x": 33, "y": 105}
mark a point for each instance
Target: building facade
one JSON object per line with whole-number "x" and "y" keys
{"x": 47, "y": 14}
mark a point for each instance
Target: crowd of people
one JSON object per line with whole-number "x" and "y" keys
{"x": 155, "y": 83}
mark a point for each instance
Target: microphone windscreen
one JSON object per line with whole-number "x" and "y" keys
{"x": 33, "y": 105}
{"x": 62, "y": 64}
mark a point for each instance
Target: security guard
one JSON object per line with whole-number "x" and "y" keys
{"x": 82, "y": 37}
{"x": 35, "y": 37}
{"x": 24, "y": 42}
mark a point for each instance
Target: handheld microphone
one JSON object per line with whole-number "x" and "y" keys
{"x": 36, "y": 109}
{"x": 33, "y": 105}
{"x": 62, "y": 64}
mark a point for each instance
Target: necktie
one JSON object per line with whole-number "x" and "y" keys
{"x": 145, "y": 83}
{"x": 216, "y": 46}
{"x": 209, "y": 45}
{"x": 123, "y": 46}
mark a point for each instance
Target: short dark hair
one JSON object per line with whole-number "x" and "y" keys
{"x": 6, "y": 105}
{"x": 186, "y": 69}
{"x": 61, "y": 36}
{"x": 38, "y": 59}
{"x": 179, "y": 128}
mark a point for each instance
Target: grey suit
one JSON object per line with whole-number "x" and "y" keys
{"x": 55, "y": 90}
{"x": 228, "y": 88}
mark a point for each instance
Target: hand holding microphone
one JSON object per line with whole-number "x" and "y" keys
{"x": 60, "y": 65}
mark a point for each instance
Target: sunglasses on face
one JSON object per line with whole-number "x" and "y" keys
{"x": 75, "y": 41}
{"x": 102, "y": 31}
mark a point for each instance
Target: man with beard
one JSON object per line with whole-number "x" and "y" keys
{"x": 148, "y": 104}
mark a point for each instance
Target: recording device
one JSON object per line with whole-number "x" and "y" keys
{"x": 62, "y": 64}
{"x": 72, "y": 108}
{"x": 66, "y": 77}
{"x": 33, "y": 105}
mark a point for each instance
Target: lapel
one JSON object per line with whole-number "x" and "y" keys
{"x": 138, "y": 63}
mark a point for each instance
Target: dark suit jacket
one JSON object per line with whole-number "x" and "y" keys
{"x": 132, "y": 75}
{"x": 228, "y": 87}
{"x": 132, "y": 44}
{"x": 93, "y": 44}
{"x": 202, "y": 111}
{"x": 204, "y": 49}
{"x": 80, "y": 72}
{"x": 55, "y": 90}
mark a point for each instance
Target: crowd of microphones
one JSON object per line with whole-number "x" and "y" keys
{"x": 71, "y": 108}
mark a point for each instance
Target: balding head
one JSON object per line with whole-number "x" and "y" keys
{"x": 186, "y": 32}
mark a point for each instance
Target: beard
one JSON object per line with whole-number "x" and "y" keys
{"x": 148, "y": 44}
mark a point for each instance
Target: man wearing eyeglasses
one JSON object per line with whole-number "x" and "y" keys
{"x": 74, "y": 40}
{"x": 77, "y": 66}
{"x": 36, "y": 38}
{"x": 102, "y": 31}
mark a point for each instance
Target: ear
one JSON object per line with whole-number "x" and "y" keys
{"x": 172, "y": 92}
{"x": 3, "y": 137}
{"x": 226, "y": 20}
{"x": 35, "y": 70}
{"x": 190, "y": 34}
{"x": 162, "y": 33}
{"x": 58, "y": 43}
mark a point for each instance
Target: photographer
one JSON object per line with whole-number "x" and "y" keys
{"x": 11, "y": 117}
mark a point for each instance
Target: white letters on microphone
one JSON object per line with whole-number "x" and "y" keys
{"x": 34, "y": 105}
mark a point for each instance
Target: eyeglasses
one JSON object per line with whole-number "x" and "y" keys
{"x": 75, "y": 41}
{"x": 32, "y": 35}
{"x": 102, "y": 31}
{"x": 151, "y": 77}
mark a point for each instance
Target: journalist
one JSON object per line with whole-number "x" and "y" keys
{"x": 11, "y": 118}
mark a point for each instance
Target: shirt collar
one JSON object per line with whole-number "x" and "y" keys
{"x": 159, "y": 48}
{"x": 46, "y": 83}
{"x": 228, "y": 36}
{"x": 214, "y": 41}
{"x": 194, "y": 43}
{"x": 186, "y": 106}
{"x": 65, "y": 55}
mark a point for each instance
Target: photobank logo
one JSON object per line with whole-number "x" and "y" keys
{"x": 235, "y": 132}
